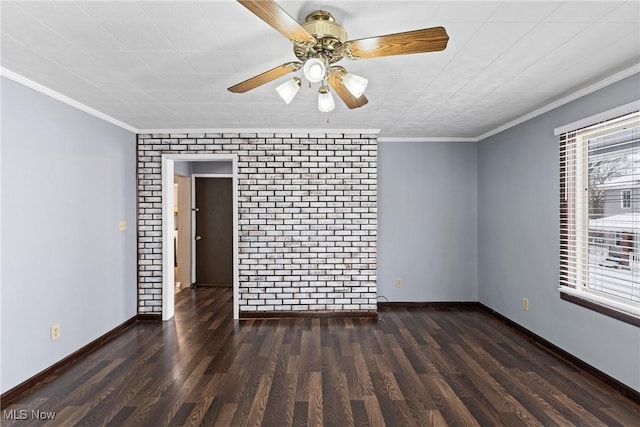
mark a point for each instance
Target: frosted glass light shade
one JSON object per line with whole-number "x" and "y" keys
{"x": 314, "y": 70}
{"x": 355, "y": 84}
{"x": 325, "y": 100}
{"x": 289, "y": 89}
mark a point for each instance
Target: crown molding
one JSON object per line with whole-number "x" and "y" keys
{"x": 308, "y": 132}
{"x": 427, "y": 139}
{"x": 634, "y": 69}
{"x": 627, "y": 72}
{"x": 63, "y": 98}
{"x": 598, "y": 118}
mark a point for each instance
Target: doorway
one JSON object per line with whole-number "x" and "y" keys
{"x": 214, "y": 230}
{"x": 168, "y": 226}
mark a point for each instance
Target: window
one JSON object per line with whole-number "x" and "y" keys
{"x": 599, "y": 221}
{"x": 625, "y": 199}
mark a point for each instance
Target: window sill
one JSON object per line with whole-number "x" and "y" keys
{"x": 594, "y": 303}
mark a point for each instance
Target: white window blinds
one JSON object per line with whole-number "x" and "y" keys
{"x": 600, "y": 211}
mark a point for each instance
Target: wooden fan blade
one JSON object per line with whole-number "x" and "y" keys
{"x": 281, "y": 21}
{"x": 335, "y": 80}
{"x": 418, "y": 41}
{"x": 265, "y": 77}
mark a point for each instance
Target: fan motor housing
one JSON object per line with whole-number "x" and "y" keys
{"x": 329, "y": 34}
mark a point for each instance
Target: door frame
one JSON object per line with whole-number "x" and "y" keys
{"x": 193, "y": 216}
{"x": 168, "y": 293}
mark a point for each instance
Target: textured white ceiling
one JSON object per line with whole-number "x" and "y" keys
{"x": 166, "y": 65}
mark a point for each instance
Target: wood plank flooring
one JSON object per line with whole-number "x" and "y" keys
{"x": 411, "y": 367}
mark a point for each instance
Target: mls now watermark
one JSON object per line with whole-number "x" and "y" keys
{"x": 23, "y": 414}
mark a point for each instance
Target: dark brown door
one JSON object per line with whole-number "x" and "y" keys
{"x": 214, "y": 232}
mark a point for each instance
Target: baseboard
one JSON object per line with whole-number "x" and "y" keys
{"x": 430, "y": 304}
{"x": 9, "y": 396}
{"x": 622, "y": 388}
{"x": 153, "y": 317}
{"x": 248, "y": 315}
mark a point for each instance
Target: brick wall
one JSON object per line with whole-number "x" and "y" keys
{"x": 307, "y": 218}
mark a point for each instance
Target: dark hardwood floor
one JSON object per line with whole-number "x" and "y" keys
{"x": 413, "y": 367}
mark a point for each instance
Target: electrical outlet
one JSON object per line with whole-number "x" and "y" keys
{"x": 399, "y": 283}
{"x": 525, "y": 304}
{"x": 55, "y": 332}
{"x": 122, "y": 225}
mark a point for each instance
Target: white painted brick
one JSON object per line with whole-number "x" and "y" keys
{"x": 306, "y": 203}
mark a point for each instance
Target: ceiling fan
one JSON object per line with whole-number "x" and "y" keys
{"x": 320, "y": 42}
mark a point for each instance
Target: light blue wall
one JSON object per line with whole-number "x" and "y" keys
{"x": 225, "y": 167}
{"x": 182, "y": 168}
{"x": 67, "y": 180}
{"x": 186, "y": 168}
{"x": 518, "y": 239}
{"x": 427, "y": 221}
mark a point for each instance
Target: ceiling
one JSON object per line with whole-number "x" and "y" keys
{"x": 167, "y": 65}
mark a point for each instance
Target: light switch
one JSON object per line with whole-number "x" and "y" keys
{"x": 123, "y": 225}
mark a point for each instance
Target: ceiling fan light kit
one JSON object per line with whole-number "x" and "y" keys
{"x": 355, "y": 84}
{"x": 325, "y": 100}
{"x": 320, "y": 42}
{"x": 314, "y": 70}
{"x": 289, "y": 89}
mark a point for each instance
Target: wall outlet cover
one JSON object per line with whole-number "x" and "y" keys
{"x": 55, "y": 332}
